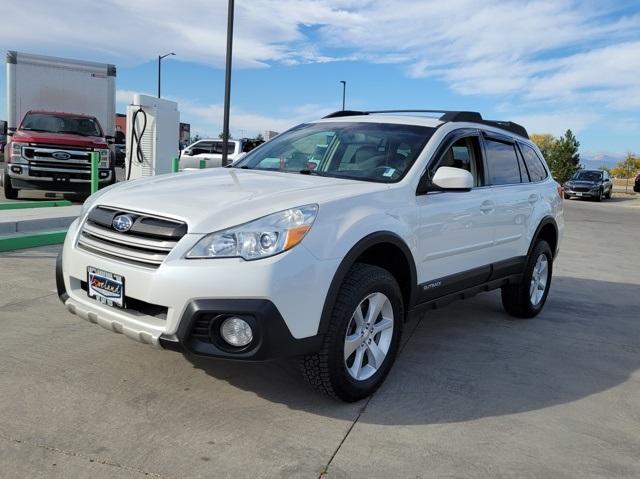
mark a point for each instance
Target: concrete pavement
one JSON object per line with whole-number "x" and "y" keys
{"x": 473, "y": 394}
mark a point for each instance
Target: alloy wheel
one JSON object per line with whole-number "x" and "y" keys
{"x": 539, "y": 279}
{"x": 368, "y": 336}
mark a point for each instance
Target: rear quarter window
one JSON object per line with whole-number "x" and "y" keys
{"x": 537, "y": 171}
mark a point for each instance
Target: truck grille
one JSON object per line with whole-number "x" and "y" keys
{"x": 43, "y": 161}
{"x": 147, "y": 243}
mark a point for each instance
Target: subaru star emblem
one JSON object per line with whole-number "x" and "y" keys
{"x": 122, "y": 223}
{"x": 61, "y": 155}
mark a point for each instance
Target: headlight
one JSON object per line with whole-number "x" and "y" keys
{"x": 16, "y": 152}
{"x": 104, "y": 158}
{"x": 261, "y": 238}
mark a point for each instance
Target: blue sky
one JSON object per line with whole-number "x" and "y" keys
{"x": 550, "y": 65}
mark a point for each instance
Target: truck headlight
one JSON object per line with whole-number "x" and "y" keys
{"x": 261, "y": 238}
{"x": 104, "y": 158}
{"x": 16, "y": 152}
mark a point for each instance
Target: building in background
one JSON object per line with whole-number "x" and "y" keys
{"x": 121, "y": 127}
{"x": 185, "y": 135}
{"x": 269, "y": 134}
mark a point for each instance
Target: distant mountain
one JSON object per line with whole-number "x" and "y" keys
{"x": 593, "y": 161}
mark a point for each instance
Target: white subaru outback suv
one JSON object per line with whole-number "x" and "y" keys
{"x": 321, "y": 256}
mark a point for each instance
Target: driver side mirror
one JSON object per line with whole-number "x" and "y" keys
{"x": 452, "y": 179}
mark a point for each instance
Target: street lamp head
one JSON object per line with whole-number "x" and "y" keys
{"x": 166, "y": 55}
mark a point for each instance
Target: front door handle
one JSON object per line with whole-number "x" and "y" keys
{"x": 487, "y": 206}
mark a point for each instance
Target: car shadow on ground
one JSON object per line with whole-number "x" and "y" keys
{"x": 470, "y": 360}
{"x": 623, "y": 197}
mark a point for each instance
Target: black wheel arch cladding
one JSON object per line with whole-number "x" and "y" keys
{"x": 378, "y": 239}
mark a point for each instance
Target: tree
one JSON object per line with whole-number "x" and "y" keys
{"x": 221, "y": 136}
{"x": 626, "y": 168}
{"x": 259, "y": 137}
{"x": 545, "y": 142}
{"x": 195, "y": 138}
{"x": 564, "y": 159}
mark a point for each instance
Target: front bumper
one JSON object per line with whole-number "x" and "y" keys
{"x": 283, "y": 296}
{"x": 60, "y": 181}
{"x": 582, "y": 194}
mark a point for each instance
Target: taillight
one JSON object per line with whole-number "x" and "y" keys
{"x": 560, "y": 191}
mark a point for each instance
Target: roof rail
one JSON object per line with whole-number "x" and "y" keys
{"x": 445, "y": 116}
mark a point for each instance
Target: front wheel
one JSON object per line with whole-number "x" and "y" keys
{"x": 10, "y": 192}
{"x": 363, "y": 337}
{"x": 600, "y": 196}
{"x": 526, "y": 298}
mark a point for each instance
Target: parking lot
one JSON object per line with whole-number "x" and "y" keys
{"x": 473, "y": 394}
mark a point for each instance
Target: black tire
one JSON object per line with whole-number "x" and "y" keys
{"x": 599, "y": 197}
{"x": 567, "y": 197}
{"x": 10, "y": 192}
{"x": 516, "y": 298}
{"x": 326, "y": 370}
{"x": 608, "y": 194}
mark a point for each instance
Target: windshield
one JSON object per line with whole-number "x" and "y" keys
{"x": 52, "y": 123}
{"x": 588, "y": 176}
{"x": 381, "y": 152}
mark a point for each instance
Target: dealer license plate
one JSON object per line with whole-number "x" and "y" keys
{"x": 578, "y": 194}
{"x": 108, "y": 288}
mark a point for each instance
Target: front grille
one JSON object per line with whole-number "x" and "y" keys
{"x": 147, "y": 243}
{"x": 43, "y": 161}
{"x": 581, "y": 189}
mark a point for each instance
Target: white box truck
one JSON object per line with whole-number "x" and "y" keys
{"x": 58, "y": 112}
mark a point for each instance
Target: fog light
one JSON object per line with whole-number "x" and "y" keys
{"x": 236, "y": 331}
{"x": 16, "y": 169}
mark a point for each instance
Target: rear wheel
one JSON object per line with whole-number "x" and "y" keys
{"x": 526, "y": 299}
{"x": 10, "y": 192}
{"x": 362, "y": 341}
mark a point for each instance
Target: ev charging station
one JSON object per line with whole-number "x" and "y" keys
{"x": 152, "y": 136}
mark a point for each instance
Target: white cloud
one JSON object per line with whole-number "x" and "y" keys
{"x": 560, "y": 55}
{"x": 557, "y": 123}
{"x": 207, "y": 119}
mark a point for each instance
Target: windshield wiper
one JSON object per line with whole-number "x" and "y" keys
{"x": 309, "y": 172}
{"x": 37, "y": 129}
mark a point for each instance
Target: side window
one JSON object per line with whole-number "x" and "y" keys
{"x": 201, "y": 147}
{"x": 537, "y": 171}
{"x": 502, "y": 162}
{"x": 464, "y": 154}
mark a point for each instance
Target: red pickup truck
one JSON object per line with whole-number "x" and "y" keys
{"x": 52, "y": 151}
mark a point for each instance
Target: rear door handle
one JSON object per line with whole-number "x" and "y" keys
{"x": 533, "y": 198}
{"x": 487, "y": 206}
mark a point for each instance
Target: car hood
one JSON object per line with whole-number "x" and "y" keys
{"x": 62, "y": 139}
{"x": 214, "y": 199}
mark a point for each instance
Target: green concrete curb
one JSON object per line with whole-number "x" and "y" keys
{"x": 19, "y": 205}
{"x": 31, "y": 240}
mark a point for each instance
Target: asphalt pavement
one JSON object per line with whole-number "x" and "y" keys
{"x": 473, "y": 393}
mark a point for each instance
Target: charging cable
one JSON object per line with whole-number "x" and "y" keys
{"x": 137, "y": 137}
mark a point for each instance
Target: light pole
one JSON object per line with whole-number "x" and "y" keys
{"x": 344, "y": 92}
{"x": 160, "y": 57}
{"x": 227, "y": 83}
